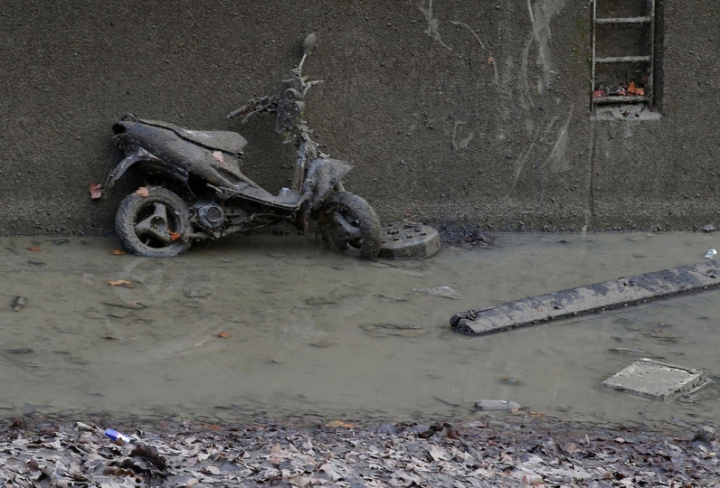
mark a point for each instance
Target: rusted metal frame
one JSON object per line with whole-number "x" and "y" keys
{"x": 650, "y": 19}
{"x": 624, "y": 59}
{"x": 625, "y": 20}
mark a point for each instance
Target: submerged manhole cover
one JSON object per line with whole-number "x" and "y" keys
{"x": 656, "y": 380}
{"x": 402, "y": 240}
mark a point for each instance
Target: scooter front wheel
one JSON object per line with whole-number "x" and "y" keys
{"x": 153, "y": 224}
{"x": 348, "y": 224}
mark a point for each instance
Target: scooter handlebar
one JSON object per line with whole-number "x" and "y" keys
{"x": 308, "y": 84}
{"x": 254, "y": 106}
{"x": 244, "y": 109}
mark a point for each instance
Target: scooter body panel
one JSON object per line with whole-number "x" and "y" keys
{"x": 217, "y": 167}
{"x": 135, "y": 154}
{"x": 322, "y": 175}
{"x": 230, "y": 142}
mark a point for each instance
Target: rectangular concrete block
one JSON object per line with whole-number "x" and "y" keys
{"x": 656, "y": 380}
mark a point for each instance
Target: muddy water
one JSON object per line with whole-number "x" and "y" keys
{"x": 309, "y": 332}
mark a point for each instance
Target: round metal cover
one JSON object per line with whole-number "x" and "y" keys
{"x": 409, "y": 240}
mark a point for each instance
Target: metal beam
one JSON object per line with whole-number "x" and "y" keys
{"x": 587, "y": 299}
{"x": 625, "y": 20}
{"x": 625, "y": 59}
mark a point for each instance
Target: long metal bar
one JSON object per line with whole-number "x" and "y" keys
{"x": 651, "y": 76}
{"x": 625, "y": 20}
{"x": 620, "y": 99}
{"x": 587, "y": 299}
{"x": 625, "y": 59}
{"x": 594, "y": 29}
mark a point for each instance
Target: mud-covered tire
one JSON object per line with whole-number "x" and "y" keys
{"x": 155, "y": 225}
{"x": 348, "y": 224}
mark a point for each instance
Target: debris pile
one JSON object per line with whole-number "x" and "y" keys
{"x": 465, "y": 236}
{"x": 624, "y": 90}
{"x": 489, "y": 451}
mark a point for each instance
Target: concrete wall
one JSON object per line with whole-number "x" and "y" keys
{"x": 454, "y": 111}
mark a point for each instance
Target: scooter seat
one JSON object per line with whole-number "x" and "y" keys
{"x": 227, "y": 141}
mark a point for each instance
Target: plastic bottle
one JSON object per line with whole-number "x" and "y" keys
{"x": 115, "y": 436}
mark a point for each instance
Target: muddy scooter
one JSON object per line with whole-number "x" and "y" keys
{"x": 196, "y": 190}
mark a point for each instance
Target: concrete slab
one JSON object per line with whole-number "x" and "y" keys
{"x": 403, "y": 240}
{"x": 587, "y": 299}
{"x": 656, "y": 380}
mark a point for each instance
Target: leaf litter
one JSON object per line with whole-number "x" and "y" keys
{"x": 493, "y": 451}
{"x": 143, "y": 191}
{"x": 119, "y": 283}
{"x": 95, "y": 190}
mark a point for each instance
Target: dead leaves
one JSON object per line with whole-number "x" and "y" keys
{"x": 174, "y": 236}
{"x": 622, "y": 90}
{"x": 34, "y": 249}
{"x": 635, "y": 90}
{"x": 143, "y": 191}
{"x": 117, "y": 252}
{"x": 222, "y": 334}
{"x": 209, "y": 455}
{"x": 219, "y": 157}
{"x": 151, "y": 454}
{"x": 339, "y": 424}
{"x": 95, "y": 191}
{"x": 572, "y": 448}
{"x": 119, "y": 283}
{"x": 438, "y": 453}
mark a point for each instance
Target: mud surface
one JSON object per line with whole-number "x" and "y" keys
{"x": 272, "y": 327}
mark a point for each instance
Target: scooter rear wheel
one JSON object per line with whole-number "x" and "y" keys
{"x": 348, "y": 224}
{"x": 154, "y": 225}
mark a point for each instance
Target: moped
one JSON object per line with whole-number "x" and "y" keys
{"x": 196, "y": 190}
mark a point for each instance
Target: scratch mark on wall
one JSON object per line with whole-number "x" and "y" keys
{"x": 500, "y": 84}
{"x": 433, "y": 29}
{"x": 541, "y": 14}
{"x": 523, "y": 92}
{"x": 521, "y": 164}
{"x": 526, "y": 101}
{"x": 463, "y": 143}
{"x": 557, "y": 160}
{"x": 475, "y": 34}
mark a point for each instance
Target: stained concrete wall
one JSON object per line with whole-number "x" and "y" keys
{"x": 454, "y": 111}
